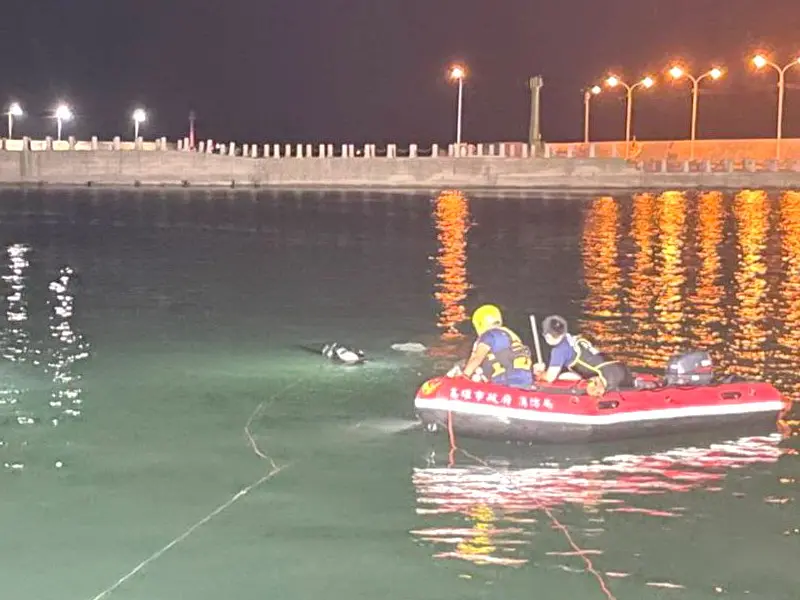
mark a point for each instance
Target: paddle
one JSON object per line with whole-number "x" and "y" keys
{"x": 536, "y": 341}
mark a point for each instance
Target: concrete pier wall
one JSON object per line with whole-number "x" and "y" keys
{"x": 757, "y": 149}
{"x": 190, "y": 168}
{"x": 157, "y": 165}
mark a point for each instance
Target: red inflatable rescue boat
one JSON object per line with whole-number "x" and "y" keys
{"x": 564, "y": 412}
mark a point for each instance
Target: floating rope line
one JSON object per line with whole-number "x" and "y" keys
{"x": 188, "y": 532}
{"x": 249, "y": 435}
{"x": 555, "y": 522}
{"x": 274, "y": 470}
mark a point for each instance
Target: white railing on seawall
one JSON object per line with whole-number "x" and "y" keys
{"x": 502, "y": 149}
{"x": 49, "y": 143}
{"x": 517, "y": 150}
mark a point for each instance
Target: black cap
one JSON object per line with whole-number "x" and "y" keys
{"x": 554, "y": 325}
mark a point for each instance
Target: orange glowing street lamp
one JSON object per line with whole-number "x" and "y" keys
{"x": 760, "y": 61}
{"x": 458, "y": 72}
{"x": 612, "y": 82}
{"x": 587, "y": 96}
{"x": 677, "y": 73}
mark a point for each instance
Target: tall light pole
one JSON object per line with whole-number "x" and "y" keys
{"x": 760, "y": 61}
{"x": 63, "y": 113}
{"x": 139, "y": 116}
{"x": 192, "y": 117}
{"x": 534, "y": 127}
{"x": 14, "y": 110}
{"x": 457, "y": 72}
{"x": 612, "y": 82}
{"x": 587, "y": 96}
{"x": 677, "y": 72}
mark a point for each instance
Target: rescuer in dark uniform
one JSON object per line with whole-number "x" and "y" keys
{"x": 580, "y": 359}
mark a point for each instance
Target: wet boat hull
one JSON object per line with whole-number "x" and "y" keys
{"x": 565, "y": 414}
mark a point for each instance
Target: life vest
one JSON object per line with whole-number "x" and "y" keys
{"x": 588, "y": 361}
{"x": 499, "y": 364}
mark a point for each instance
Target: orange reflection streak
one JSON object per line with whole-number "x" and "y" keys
{"x": 748, "y": 327}
{"x": 480, "y": 543}
{"x": 706, "y": 303}
{"x": 787, "y": 376}
{"x": 452, "y": 223}
{"x": 670, "y": 278}
{"x": 641, "y": 331}
{"x": 452, "y": 214}
{"x": 602, "y": 274}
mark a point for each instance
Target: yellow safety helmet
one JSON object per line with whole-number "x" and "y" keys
{"x": 485, "y": 317}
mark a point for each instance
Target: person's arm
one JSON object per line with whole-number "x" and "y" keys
{"x": 558, "y": 359}
{"x": 551, "y": 374}
{"x": 554, "y": 373}
{"x": 478, "y": 356}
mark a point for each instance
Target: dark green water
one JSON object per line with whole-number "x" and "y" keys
{"x": 139, "y": 373}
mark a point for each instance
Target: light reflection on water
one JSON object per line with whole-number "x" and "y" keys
{"x": 787, "y": 307}
{"x": 39, "y": 361}
{"x": 749, "y": 336}
{"x": 639, "y": 328}
{"x": 670, "y": 275}
{"x": 600, "y": 252}
{"x": 67, "y": 346}
{"x": 706, "y": 301}
{"x": 452, "y": 223}
{"x": 500, "y": 508}
{"x": 452, "y": 219}
{"x": 700, "y": 282}
{"x": 16, "y": 337}
{"x": 662, "y": 274}
{"x": 655, "y": 266}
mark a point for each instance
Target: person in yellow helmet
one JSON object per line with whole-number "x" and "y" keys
{"x": 498, "y": 351}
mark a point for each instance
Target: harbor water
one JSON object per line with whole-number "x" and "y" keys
{"x": 166, "y": 433}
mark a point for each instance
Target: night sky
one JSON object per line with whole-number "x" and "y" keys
{"x": 375, "y": 70}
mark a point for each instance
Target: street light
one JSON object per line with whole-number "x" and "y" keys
{"x": 587, "y": 96}
{"x": 760, "y": 61}
{"x": 63, "y": 113}
{"x": 14, "y": 110}
{"x": 612, "y": 82}
{"x": 139, "y": 116}
{"x": 457, "y": 72}
{"x": 678, "y": 72}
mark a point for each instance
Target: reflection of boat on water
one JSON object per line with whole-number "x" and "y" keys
{"x": 563, "y": 411}
{"x": 500, "y": 496}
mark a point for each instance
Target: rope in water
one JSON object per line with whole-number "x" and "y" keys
{"x": 274, "y": 470}
{"x": 539, "y": 505}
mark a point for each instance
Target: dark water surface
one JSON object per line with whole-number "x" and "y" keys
{"x": 164, "y": 437}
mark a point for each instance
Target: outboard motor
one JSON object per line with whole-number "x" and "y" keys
{"x": 690, "y": 368}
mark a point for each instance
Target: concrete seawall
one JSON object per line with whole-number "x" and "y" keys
{"x": 757, "y": 149}
{"x": 184, "y": 168}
